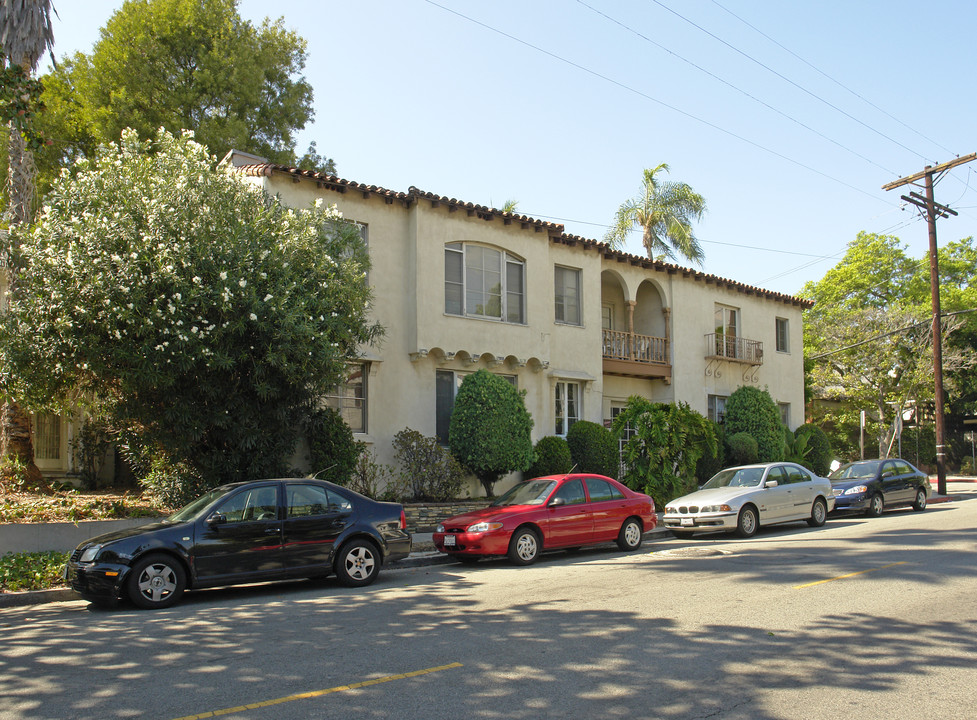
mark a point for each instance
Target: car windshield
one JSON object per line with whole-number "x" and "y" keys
{"x": 736, "y": 477}
{"x": 532, "y": 492}
{"x": 188, "y": 512}
{"x": 869, "y": 468}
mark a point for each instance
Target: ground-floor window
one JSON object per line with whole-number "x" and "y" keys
{"x": 349, "y": 397}
{"x": 47, "y": 436}
{"x": 447, "y": 383}
{"x": 628, "y": 433}
{"x": 567, "y": 406}
{"x": 717, "y": 408}
{"x": 784, "y": 413}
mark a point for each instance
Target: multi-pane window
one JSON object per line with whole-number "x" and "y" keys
{"x": 47, "y": 436}
{"x": 447, "y": 384}
{"x": 483, "y": 282}
{"x": 567, "y": 283}
{"x": 629, "y": 432}
{"x": 349, "y": 397}
{"x": 783, "y": 335}
{"x": 567, "y": 407}
{"x": 784, "y": 413}
{"x": 717, "y": 408}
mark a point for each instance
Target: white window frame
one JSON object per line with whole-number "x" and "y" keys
{"x": 568, "y": 300}
{"x": 511, "y": 300}
{"x": 716, "y": 408}
{"x": 567, "y": 406}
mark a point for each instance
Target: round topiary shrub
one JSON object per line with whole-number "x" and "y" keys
{"x": 552, "y": 457}
{"x": 754, "y": 412}
{"x": 741, "y": 449}
{"x": 593, "y": 449}
{"x": 332, "y": 451}
{"x": 821, "y": 454}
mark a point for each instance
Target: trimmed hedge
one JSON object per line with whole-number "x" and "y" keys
{"x": 552, "y": 457}
{"x": 593, "y": 449}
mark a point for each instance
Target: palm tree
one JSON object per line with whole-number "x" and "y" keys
{"x": 664, "y": 211}
{"x": 25, "y": 35}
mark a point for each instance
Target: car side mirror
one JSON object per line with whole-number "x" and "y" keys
{"x": 556, "y": 502}
{"x": 217, "y": 518}
{"x": 771, "y": 483}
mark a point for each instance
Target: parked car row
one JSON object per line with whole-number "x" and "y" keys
{"x": 743, "y": 499}
{"x": 295, "y": 528}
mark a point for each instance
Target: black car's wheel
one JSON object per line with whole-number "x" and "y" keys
{"x": 630, "y": 536}
{"x": 747, "y": 522}
{"x": 875, "y": 506}
{"x": 524, "y": 547}
{"x": 156, "y": 581}
{"x": 920, "y": 503}
{"x": 683, "y": 534}
{"x": 819, "y": 513}
{"x": 358, "y": 563}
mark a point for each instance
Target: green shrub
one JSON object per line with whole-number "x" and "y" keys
{"x": 712, "y": 462}
{"x": 664, "y": 443}
{"x": 741, "y": 449}
{"x": 369, "y": 477}
{"x": 428, "y": 471}
{"x": 593, "y": 449}
{"x": 552, "y": 457}
{"x": 490, "y": 430}
{"x": 753, "y": 411}
{"x": 332, "y": 450}
{"x": 820, "y": 455}
{"x": 173, "y": 484}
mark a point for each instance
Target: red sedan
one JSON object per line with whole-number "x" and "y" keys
{"x": 557, "y": 511}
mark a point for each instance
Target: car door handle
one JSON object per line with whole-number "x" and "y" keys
{"x": 271, "y": 531}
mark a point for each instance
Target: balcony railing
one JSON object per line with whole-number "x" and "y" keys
{"x": 733, "y": 348}
{"x": 635, "y": 355}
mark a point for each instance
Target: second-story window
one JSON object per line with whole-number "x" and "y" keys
{"x": 483, "y": 282}
{"x": 567, "y": 283}
{"x": 727, "y": 320}
{"x": 783, "y": 335}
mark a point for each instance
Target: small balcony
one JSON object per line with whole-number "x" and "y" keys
{"x": 633, "y": 355}
{"x": 734, "y": 349}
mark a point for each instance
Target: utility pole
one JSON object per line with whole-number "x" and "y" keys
{"x": 934, "y": 210}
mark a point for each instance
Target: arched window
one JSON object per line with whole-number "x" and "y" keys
{"x": 483, "y": 282}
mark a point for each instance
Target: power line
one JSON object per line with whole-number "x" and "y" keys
{"x": 888, "y": 334}
{"x": 734, "y": 87}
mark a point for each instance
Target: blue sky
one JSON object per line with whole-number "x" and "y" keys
{"x": 787, "y": 117}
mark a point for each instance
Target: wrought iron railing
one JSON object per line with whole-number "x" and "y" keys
{"x": 734, "y": 348}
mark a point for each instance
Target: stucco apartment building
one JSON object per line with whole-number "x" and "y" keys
{"x": 578, "y": 326}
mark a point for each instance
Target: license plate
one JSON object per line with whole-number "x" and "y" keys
{"x": 449, "y": 540}
{"x": 688, "y": 522}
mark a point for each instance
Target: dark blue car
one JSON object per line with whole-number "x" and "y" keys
{"x": 870, "y": 486}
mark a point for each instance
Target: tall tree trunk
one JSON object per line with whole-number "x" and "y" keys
{"x": 16, "y": 444}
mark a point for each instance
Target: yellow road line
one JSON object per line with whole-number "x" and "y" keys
{"x": 320, "y": 693}
{"x": 842, "y": 577}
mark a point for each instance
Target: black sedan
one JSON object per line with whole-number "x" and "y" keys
{"x": 870, "y": 486}
{"x": 243, "y": 533}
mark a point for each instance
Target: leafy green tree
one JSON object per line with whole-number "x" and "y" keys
{"x": 183, "y": 64}
{"x": 594, "y": 449}
{"x": 25, "y": 35}
{"x": 333, "y": 453}
{"x": 754, "y": 412}
{"x": 868, "y": 336}
{"x": 820, "y": 455}
{"x": 490, "y": 429}
{"x": 552, "y": 457}
{"x": 206, "y": 318}
{"x": 665, "y": 211}
{"x": 712, "y": 461}
{"x": 665, "y": 443}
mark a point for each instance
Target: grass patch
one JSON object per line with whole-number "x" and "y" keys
{"x": 32, "y": 571}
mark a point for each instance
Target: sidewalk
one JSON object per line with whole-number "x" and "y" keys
{"x": 423, "y": 553}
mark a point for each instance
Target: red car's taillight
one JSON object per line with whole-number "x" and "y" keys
{"x": 403, "y": 520}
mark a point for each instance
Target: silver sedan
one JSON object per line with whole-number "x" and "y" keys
{"x": 741, "y": 499}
